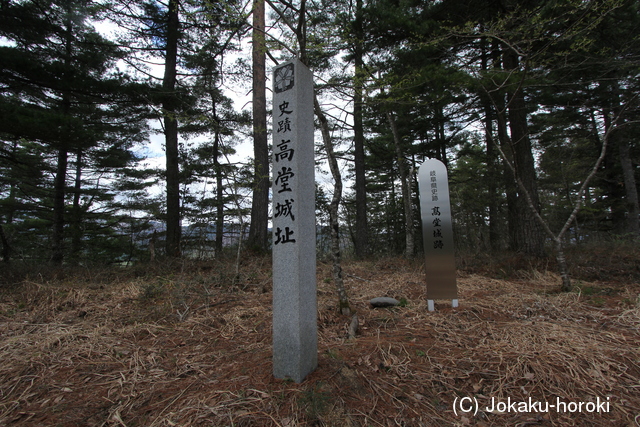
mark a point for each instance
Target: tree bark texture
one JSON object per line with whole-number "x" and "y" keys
{"x": 510, "y": 186}
{"x": 260, "y": 201}
{"x": 60, "y": 180}
{"x": 627, "y": 200}
{"x": 219, "y": 196}
{"x": 76, "y": 231}
{"x": 59, "y": 191}
{"x": 529, "y": 235}
{"x": 6, "y": 248}
{"x": 492, "y": 165}
{"x": 405, "y": 181}
{"x": 631, "y": 189}
{"x": 362, "y": 230}
{"x": 343, "y": 300}
{"x": 558, "y": 238}
{"x": 615, "y": 193}
{"x": 492, "y": 179}
{"x": 170, "y": 107}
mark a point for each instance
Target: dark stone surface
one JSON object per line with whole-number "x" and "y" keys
{"x": 384, "y": 302}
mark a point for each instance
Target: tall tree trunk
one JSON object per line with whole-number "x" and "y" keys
{"x": 530, "y": 236}
{"x": 6, "y": 248}
{"x": 441, "y": 137}
{"x": 260, "y": 202}
{"x": 217, "y": 168}
{"x": 60, "y": 180}
{"x": 343, "y": 301}
{"x": 492, "y": 180}
{"x": 10, "y": 211}
{"x": 76, "y": 226}
{"x": 611, "y": 179}
{"x": 11, "y": 206}
{"x": 504, "y": 146}
{"x": 492, "y": 172}
{"x": 301, "y": 31}
{"x": 59, "y": 191}
{"x": 219, "y": 194}
{"x": 170, "y": 108}
{"x": 152, "y": 247}
{"x": 558, "y": 238}
{"x": 362, "y": 229}
{"x": 631, "y": 189}
{"x": 405, "y": 181}
{"x": 510, "y": 186}
{"x": 624, "y": 202}
{"x": 392, "y": 238}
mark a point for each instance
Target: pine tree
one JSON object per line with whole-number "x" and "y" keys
{"x": 260, "y": 200}
{"x": 62, "y": 95}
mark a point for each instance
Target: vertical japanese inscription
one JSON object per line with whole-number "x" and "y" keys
{"x": 438, "y": 242}
{"x": 294, "y": 287}
{"x": 284, "y": 80}
{"x": 437, "y": 231}
{"x": 283, "y": 154}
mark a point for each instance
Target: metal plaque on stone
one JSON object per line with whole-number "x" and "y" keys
{"x": 437, "y": 232}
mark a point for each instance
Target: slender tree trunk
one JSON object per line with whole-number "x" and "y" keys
{"x": 11, "y": 205}
{"x": 60, "y": 180}
{"x": 391, "y": 215}
{"x": 343, "y": 301}
{"x": 627, "y": 199}
{"x": 76, "y": 229}
{"x": 558, "y": 238}
{"x": 405, "y": 181}
{"x": 613, "y": 190}
{"x": 170, "y": 108}
{"x": 6, "y": 248}
{"x": 631, "y": 189}
{"x": 441, "y": 139}
{"x": 301, "y": 31}
{"x": 362, "y": 228}
{"x": 492, "y": 180}
{"x": 492, "y": 172}
{"x": 510, "y": 186}
{"x": 530, "y": 237}
{"x": 260, "y": 201}
{"x": 152, "y": 247}
{"x": 218, "y": 176}
{"x": 505, "y": 148}
{"x": 219, "y": 196}
{"x": 59, "y": 187}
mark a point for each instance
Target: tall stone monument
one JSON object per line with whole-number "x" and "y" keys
{"x": 295, "y": 335}
{"x": 437, "y": 232}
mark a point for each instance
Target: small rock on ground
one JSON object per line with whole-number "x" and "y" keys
{"x": 384, "y": 302}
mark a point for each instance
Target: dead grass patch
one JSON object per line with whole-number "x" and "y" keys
{"x": 197, "y": 352}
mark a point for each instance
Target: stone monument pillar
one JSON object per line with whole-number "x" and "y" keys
{"x": 437, "y": 232}
{"x": 295, "y": 336}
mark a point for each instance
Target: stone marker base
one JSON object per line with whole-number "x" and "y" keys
{"x": 431, "y": 304}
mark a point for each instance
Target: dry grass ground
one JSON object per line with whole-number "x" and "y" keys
{"x": 189, "y": 349}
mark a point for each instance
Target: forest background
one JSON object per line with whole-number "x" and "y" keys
{"x": 533, "y": 107}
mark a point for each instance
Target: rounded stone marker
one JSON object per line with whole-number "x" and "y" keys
{"x": 384, "y": 302}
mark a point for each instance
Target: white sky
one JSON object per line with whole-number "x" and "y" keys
{"x": 241, "y": 97}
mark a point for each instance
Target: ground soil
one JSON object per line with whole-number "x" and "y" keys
{"x": 193, "y": 348}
